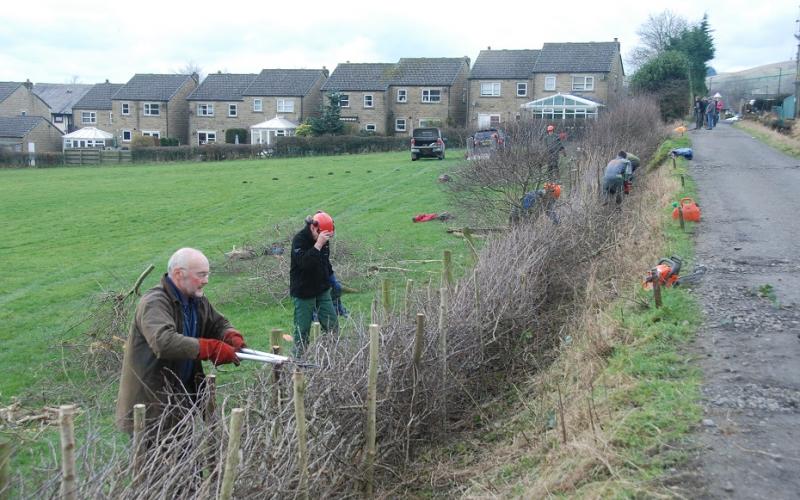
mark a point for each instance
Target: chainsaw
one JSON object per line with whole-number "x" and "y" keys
{"x": 666, "y": 272}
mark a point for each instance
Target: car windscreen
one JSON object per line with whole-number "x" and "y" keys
{"x": 426, "y": 133}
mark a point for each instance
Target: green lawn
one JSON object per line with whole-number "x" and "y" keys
{"x": 70, "y": 233}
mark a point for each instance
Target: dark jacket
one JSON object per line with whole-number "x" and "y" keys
{"x": 311, "y": 269}
{"x": 156, "y": 349}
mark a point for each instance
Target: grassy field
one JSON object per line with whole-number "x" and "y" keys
{"x": 71, "y": 233}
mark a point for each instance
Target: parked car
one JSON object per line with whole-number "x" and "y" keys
{"x": 484, "y": 142}
{"x": 427, "y": 142}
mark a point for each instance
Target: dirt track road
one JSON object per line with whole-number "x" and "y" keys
{"x": 750, "y": 345}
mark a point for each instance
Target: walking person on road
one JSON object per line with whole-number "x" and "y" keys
{"x": 174, "y": 329}
{"x": 711, "y": 109}
{"x": 311, "y": 278}
{"x": 699, "y": 112}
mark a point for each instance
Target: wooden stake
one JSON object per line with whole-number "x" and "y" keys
{"x": 69, "y": 486}
{"x": 680, "y": 217}
{"x": 407, "y": 301}
{"x": 443, "y": 348}
{"x": 471, "y": 244}
{"x": 138, "y": 440}
{"x": 561, "y": 416}
{"x": 232, "y": 457}
{"x": 316, "y": 331}
{"x": 210, "y": 416}
{"x": 478, "y": 308}
{"x": 674, "y": 165}
{"x": 447, "y": 271}
{"x": 418, "y": 339}
{"x": 276, "y": 380}
{"x": 385, "y": 299}
{"x": 302, "y": 438}
{"x": 275, "y": 337}
{"x": 372, "y": 400}
{"x": 5, "y": 467}
{"x": 656, "y": 287}
{"x": 683, "y": 181}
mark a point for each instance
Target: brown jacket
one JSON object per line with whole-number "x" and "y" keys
{"x": 155, "y": 349}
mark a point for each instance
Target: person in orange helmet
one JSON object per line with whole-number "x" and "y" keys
{"x": 539, "y": 199}
{"x": 554, "y": 149}
{"x": 311, "y": 278}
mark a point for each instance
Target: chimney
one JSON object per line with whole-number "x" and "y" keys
{"x": 325, "y": 71}
{"x": 107, "y": 80}
{"x": 28, "y": 84}
{"x": 488, "y": 47}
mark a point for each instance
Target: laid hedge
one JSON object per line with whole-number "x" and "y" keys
{"x": 11, "y": 159}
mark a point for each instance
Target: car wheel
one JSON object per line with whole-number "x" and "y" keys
{"x": 441, "y": 156}
{"x": 413, "y": 157}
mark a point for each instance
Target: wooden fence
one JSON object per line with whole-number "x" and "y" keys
{"x": 95, "y": 156}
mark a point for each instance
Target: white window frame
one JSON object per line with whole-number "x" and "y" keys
{"x": 344, "y": 100}
{"x": 258, "y": 105}
{"x": 524, "y": 87}
{"x": 550, "y": 83}
{"x": 233, "y": 110}
{"x": 125, "y": 108}
{"x": 400, "y": 125}
{"x": 370, "y": 127}
{"x": 58, "y": 119}
{"x": 490, "y": 89}
{"x": 285, "y": 106}
{"x": 205, "y": 109}
{"x": 586, "y": 86}
{"x": 429, "y": 97}
{"x": 402, "y": 95}
{"x": 371, "y": 99}
{"x": 150, "y": 107}
{"x": 88, "y": 117}
{"x": 280, "y": 133}
{"x": 152, "y": 133}
{"x": 208, "y": 139}
{"x": 130, "y": 135}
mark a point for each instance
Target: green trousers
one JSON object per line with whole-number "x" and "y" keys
{"x": 304, "y": 310}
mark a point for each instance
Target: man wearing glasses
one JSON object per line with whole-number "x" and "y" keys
{"x": 174, "y": 328}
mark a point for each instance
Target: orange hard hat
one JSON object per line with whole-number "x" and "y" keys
{"x": 550, "y": 128}
{"x": 553, "y": 188}
{"x": 323, "y": 221}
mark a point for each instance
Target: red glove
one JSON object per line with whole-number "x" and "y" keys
{"x": 217, "y": 352}
{"x": 233, "y": 338}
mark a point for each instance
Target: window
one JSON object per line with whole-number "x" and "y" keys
{"x": 400, "y": 125}
{"x": 88, "y": 117}
{"x": 58, "y": 119}
{"x": 431, "y": 95}
{"x": 110, "y": 117}
{"x": 370, "y": 127}
{"x": 152, "y": 109}
{"x": 583, "y": 83}
{"x": 258, "y": 105}
{"x": 430, "y": 122}
{"x": 280, "y": 133}
{"x": 402, "y": 95}
{"x": 151, "y": 133}
{"x": 205, "y": 110}
{"x": 522, "y": 89}
{"x": 344, "y": 101}
{"x": 233, "y": 109}
{"x": 126, "y": 136}
{"x": 23, "y": 113}
{"x": 285, "y": 105}
{"x": 550, "y": 82}
{"x": 206, "y": 137}
{"x": 490, "y": 89}
{"x": 487, "y": 120}
{"x": 126, "y": 108}
{"x": 368, "y": 101}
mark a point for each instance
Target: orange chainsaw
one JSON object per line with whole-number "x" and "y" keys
{"x": 666, "y": 272}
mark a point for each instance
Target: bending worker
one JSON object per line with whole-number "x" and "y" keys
{"x": 539, "y": 199}
{"x": 174, "y": 328}
{"x": 311, "y": 278}
{"x": 617, "y": 172}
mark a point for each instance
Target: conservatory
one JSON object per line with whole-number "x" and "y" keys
{"x": 266, "y": 132}
{"x": 562, "y": 107}
{"x": 88, "y": 138}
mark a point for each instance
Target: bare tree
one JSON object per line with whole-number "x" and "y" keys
{"x": 191, "y": 67}
{"x": 655, "y": 35}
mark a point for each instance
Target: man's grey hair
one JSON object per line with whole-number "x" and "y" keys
{"x": 180, "y": 259}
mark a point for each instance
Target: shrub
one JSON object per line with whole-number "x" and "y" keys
{"x": 231, "y": 133}
{"x": 15, "y": 159}
{"x": 304, "y": 130}
{"x": 168, "y": 141}
{"x": 144, "y": 141}
{"x": 333, "y": 145}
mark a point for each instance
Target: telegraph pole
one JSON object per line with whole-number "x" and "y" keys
{"x": 797, "y": 69}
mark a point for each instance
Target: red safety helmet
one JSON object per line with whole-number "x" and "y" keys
{"x": 323, "y": 221}
{"x": 550, "y": 128}
{"x": 553, "y": 188}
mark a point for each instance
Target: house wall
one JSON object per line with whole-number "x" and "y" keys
{"x": 136, "y": 121}
{"x": 459, "y": 98}
{"x": 177, "y": 125}
{"x": 47, "y": 137}
{"x": 23, "y": 99}
{"x": 507, "y": 104}
{"x": 104, "y": 122}
{"x": 564, "y": 86}
{"x": 415, "y": 109}
{"x": 311, "y": 103}
{"x": 220, "y": 122}
{"x": 615, "y": 80}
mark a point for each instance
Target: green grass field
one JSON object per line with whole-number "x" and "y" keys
{"x": 71, "y": 233}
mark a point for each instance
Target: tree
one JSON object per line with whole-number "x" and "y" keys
{"x": 656, "y": 34}
{"x": 191, "y": 68}
{"x": 666, "y": 77}
{"x": 329, "y": 122}
{"x": 697, "y": 44}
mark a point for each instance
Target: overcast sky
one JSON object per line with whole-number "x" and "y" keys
{"x": 58, "y": 42}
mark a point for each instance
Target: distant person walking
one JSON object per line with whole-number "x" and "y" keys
{"x": 711, "y": 109}
{"x": 699, "y": 112}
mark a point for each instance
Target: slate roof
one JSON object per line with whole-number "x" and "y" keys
{"x": 360, "y": 76}
{"x": 587, "y": 57}
{"x": 99, "y": 96}
{"x": 8, "y": 88}
{"x": 18, "y": 126}
{"x": 284, "y": 82}
{"x": 428, "y": 71}
{"x": 504, "y": 64}
{"x": 151, "y": 87}
{"x": 61, "y": 97}
{"x": 222, "y": 87}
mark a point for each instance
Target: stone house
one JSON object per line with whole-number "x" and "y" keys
{"x": 153, "y": 105}
{"x": 18, "y": 99}
{"x": 17, "y": 132}
{"x": 393, "y": 98}
{"x": 61, "y": 97}
{"x": 499, "y": 83}
{"x": 224, "y": 101}
{"x": 94, "y": 108}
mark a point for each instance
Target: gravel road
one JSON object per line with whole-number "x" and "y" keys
{"x": 749, "y": 347}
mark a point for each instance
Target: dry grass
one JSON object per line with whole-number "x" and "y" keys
{"x": 789, "y": 144}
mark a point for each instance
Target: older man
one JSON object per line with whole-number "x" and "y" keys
{"x": 617, "y": 172}
{"x": 174, "y": 328}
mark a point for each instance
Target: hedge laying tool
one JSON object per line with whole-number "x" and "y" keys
{"x": 268, "y": 357}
